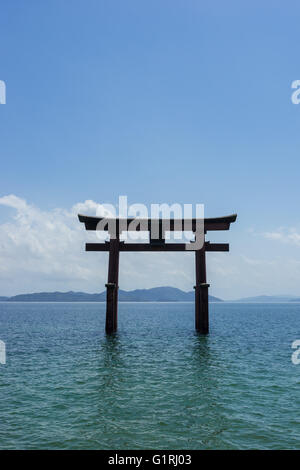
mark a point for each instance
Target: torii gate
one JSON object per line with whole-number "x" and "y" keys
{"x": 114, "y": 246}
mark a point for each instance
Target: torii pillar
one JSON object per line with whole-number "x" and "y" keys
{"x": 112, "y": 287}
{"x": 201, "y": 293}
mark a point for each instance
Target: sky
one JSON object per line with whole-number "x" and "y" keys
{"x": 164, "y": 102}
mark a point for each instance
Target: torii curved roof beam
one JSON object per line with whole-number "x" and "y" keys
{"x": 215, "y": 223}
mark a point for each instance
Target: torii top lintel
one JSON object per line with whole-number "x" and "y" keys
{"x": 216, "y": 223}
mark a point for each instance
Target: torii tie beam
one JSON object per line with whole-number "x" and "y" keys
{"x": 114, "y": 246}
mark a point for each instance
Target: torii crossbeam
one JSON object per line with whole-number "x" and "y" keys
{"x": 114, "y": 246}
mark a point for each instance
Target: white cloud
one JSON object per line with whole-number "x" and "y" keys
{"x": 44, "y": 250}
{"x": 273, "y": 235}
{"x": 37, "y": 246}
{"x": 283, "y": 235}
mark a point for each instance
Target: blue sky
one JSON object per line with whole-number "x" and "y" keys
{"x": 169, "y": 101}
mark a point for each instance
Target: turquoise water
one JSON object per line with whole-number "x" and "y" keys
{"x": 155, "y": 384}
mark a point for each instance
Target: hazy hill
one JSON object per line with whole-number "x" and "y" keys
{"x": 156, "y": 294}
{"x": 268, "y": 299}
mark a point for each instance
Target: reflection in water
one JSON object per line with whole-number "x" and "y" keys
{"x": 201, "y": 347}
{"x": 111, "y": 363}
{"x": 111, "y": 347}
{"x": 173, "y": 382}
{"x": 206, "y": 384}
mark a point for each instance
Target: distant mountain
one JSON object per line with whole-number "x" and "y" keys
{"x": 160, "y": 294}
{"x": 57, "y": 297}
{"x": 268, "y": 299}
{"x": 156, "y": 294}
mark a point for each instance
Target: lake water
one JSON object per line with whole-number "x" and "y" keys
{"x": 155, "y": 384}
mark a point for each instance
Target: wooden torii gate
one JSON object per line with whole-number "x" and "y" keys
{"x": 114, "y": 246}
